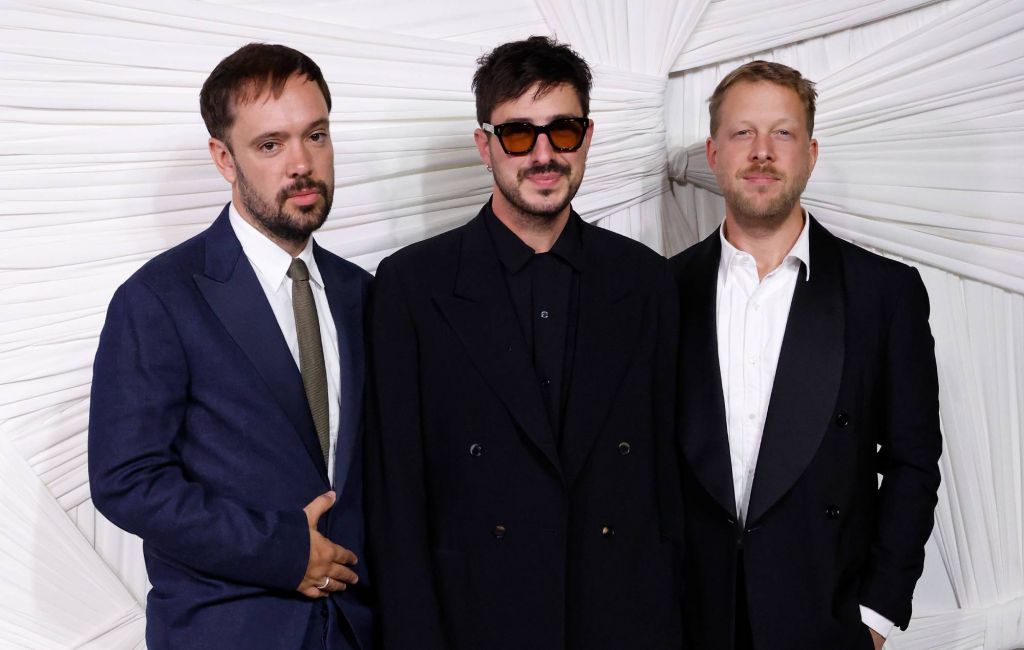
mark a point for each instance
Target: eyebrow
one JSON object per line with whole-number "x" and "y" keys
{"x": 560, "y": 116}
{"x": 267, "y": 135}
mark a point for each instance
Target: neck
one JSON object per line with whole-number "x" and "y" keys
{"x": 538, "y": 232}
{"x": 767, "y": 243}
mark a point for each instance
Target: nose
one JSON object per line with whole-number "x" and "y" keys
{"x": 299, "y": 161}
{"x": 542, "y": 150}
{"x": 761, "y": 149}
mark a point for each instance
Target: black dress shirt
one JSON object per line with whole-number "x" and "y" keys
{"x": 544, "y": 289}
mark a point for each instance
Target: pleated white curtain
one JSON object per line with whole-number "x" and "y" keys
{"x": 104, "y": 165}
{"x": 919, "y": 121}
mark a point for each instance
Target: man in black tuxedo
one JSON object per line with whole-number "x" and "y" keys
{"x": 523, "y": 370}
{"x": 807, "y": 369}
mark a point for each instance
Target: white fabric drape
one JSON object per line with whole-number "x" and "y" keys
{"x": 918, "y": 121}
{"x": 104, "y": 165}
{"x": 734, "y": 28}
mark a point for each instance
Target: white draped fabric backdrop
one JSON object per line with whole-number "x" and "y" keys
{"x": 103, "y": 164}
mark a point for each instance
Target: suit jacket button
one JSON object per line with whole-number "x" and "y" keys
{"x": 499, "y": 531}
{"x": 475, "y": 450}
{"x": 624, "y": 448}
{"x": 842, "y": 419}
{"x": 607, "y": 531}
{"x": 832, "y": 512}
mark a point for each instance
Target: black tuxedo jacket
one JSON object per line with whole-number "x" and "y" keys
{"x": 855, "y": 395}
{"x": 483, "y": 532}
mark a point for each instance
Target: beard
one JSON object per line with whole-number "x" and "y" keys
{"x": 287, "y": 225}
{"x": 542, "y": 212}
{"x": 770, "y": 214}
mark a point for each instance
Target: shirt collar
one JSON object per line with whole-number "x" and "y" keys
{"x": 514, "y": 253}
{"x": 269, "y": 259}
{"x": 799, "y": 253}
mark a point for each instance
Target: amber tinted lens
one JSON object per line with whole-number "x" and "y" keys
{"x": 566, "y": 134}
{"x": 518, "y": 138}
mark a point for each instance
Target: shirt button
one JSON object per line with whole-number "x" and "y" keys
{"x": 544, "y": 313}
{"x": 756, "y": 306}
{"x": 750, "y": 416}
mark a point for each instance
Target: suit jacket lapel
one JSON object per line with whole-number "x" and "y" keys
{"x": 705, "y": 440}
{"x": 481, "y": 313}
{"x": 807, "y": 377}
{"x": 606, "y": 336}
{"x": 232, "y": 290}
{"x": 345, "y": 296}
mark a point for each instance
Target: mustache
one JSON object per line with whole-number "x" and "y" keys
{"x": 551, "y": 167}
{"x": 301, "y": 184}
{"x": 765, "y": 169}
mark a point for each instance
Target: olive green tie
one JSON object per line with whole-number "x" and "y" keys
{"x": 311, "y": 352}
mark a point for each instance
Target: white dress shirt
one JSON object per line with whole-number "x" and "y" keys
{"x": 751, "y": 320}
{"x": 271, "y": 264}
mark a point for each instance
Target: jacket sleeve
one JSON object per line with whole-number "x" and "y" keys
{"x": 396, "y": 497}
{"x": 910, "y": 446}
{"x": 140, "y": 394}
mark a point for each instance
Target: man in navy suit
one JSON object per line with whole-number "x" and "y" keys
{"x": 226, "y": 419}
{"x": 807, "y": 369}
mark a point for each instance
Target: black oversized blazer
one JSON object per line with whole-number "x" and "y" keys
{"x": 855, "y": 395}
{"x": 483, "y": 532}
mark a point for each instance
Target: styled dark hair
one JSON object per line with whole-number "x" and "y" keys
{"x": 248, "y": 73}
{"x": 775, "y": 73}
{"x": 511, "y": 69}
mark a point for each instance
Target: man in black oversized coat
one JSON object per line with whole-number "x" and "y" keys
{"x": 521, "y": 483}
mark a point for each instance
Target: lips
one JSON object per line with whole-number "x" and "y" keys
{"x": 760, "y": 179}
{"x": 305, "y": 196}
{"x": 546, "y": 179}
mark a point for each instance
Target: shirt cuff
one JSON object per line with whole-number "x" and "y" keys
{"x": 876, "y": 621}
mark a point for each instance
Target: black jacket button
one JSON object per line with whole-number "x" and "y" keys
{"x": 832, "y": 512}
{"x": 624, "y": 448}
{"x": 499, "y": 531}
{"x": 476, "y": 450}
{"x": 842, "y": 419}
{"x": 607, "y": 531}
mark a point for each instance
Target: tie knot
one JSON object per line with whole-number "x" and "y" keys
{"x": 297, "y": 271}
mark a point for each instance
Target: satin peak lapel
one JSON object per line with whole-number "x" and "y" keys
{"x": 807, "y": 377}
{"x": 481, "y": 313}
{"x": 705, "y": 440}
{"x": 232, "y": 290}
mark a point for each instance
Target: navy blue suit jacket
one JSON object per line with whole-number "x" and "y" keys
{"x": 201, "y": 442}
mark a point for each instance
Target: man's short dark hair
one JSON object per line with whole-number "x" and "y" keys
{"x": 248, "y": 73}
{"x": 511, "y": 69}
{"x": 775, "y": 73}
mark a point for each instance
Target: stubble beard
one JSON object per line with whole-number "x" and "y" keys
{"x": 532, "y": 214}
{"x": 768, "y": 216}
{"x": 275, "y": 220}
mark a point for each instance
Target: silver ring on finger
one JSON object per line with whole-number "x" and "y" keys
{"x": 327, "y": 582}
